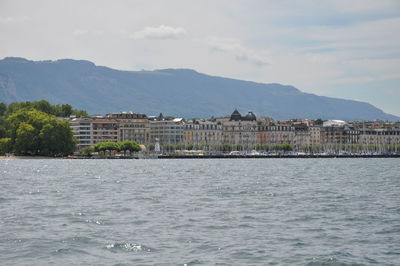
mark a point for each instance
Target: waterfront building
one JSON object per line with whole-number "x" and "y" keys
{"x": 82, "y": 130}
{"x": 379, "y": 139}
{"x": 332, "y": 135}
{"x": 132, "y": 126}
{"x": 240, "y": 130}
{"x": 105, "y": 129}
{"x": 262, "y": 132}
{"x": 201, "y": 132}
{"x": 351, "y": 134}
{"x": 315, "y": 135}
{"x": 168, "y": 131}
{"x": 277, "y": 133}
{"x": 337, "y": 136}
{"x": 301, "y": 137}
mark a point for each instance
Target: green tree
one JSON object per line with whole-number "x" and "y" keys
{"x": 3, "y": 108}
{"x": 5, "y": 146}
{"x": 24, "y": 140}
{"x": 56, "y": 138}
{"x": 130, "y": 146}
{"x": 44, "y": 106}
{"x": 180, "y": 146}
{"x": 276, "y": 147}
{"x": 3, "y": 131}
{"x": 226, "y": 147}
{"x": 48, "y": 135}
{"x": 14, "y": 107}
{"x": 189, "y": 147}
{"x": 80, "y": 113}
{"x": 265, "y": 147}
{"x": 286, "y": 147}
{"x": 169, "y": 147}
{"x": 106, "y": 146}
{"x": 87, "y": 151}
{"x": 238, "y": 147}
{"x": 66, "y": 110}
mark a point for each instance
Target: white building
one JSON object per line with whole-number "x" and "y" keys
{"x": 83, "y": 131}
{"x": 168, "y": 131}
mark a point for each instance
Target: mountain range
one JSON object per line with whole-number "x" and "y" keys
{"x": 176, "y": 92}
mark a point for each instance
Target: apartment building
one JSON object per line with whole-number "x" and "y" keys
{"x": 276, "y": 133}
{"x": 240, "y": 130}
{"x": 315, "y": 135}
{"x": 339, "y": 135}
{"x": 82, "y": 130}
{"x": 105, "y": 129}
{"x": 167, "y": 131}
{"x": 379, "y": 136}
{"x": 132, "y": 126}
{"x": 202, "y": 132}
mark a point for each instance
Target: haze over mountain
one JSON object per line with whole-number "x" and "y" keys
{"x": 179, "y": 92}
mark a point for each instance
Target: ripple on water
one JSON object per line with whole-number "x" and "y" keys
{"x": 3, "y": 200}
{"x": 330, "y": 261}
{"x": 232, "y": 212}
{"x": 128, "y": 247}
{"x": 70, "y": 251}
{"x": 94, "y": 221}
{"x": 192, "y": 262}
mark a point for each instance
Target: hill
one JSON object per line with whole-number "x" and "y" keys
{"x": 179, "y": 92}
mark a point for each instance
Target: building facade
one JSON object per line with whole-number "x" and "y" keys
{"x": 202, "y": 132}
{"x": 105, "y": 130}
{"x": 278, "y": 133}
{"x": 315, "y": 135}
{"x": 381, "y": 139}
{"x": 167, "y": 131}
{"x": 240, "y": 130}
{"x": 82, "y": 130}
{"x": 132, "y": 127}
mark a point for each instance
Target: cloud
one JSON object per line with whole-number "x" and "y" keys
{"x": 160, "y": 33}
{"x": 7, "y": 20}
{"x": 326, "y": 47}
{"x": 365, "y": 6}
{"x": 81, "y": 32}
{"x": 237, "y": 50}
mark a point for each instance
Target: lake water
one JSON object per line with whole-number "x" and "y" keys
{"x": 176, "y": 212}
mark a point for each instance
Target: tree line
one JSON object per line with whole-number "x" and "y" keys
{"x": 109, "y": 147}
{"x": 32, "y": 128}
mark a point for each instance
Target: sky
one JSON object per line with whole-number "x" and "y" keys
{"x": 338, "y": 48}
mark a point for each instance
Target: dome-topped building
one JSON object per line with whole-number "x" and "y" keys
{"x": 236, "y": 116}
{"x": 250, "y": 116}
{"x": 240, "y": 130}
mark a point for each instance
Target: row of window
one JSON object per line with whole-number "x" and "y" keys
{"x": 202, "y": 127}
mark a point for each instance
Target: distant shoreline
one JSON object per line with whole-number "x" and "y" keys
{"x": 274, "y": 156}
{"x": 16, "y": 157}
{"x": 210, "y": 157}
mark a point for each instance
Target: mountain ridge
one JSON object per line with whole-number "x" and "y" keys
{"x": 179, "y": 92}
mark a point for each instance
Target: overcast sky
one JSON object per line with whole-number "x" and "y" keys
{"x": 346, "y": 49}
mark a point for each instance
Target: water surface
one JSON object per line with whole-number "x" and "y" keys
{"x": 224, "y": 212}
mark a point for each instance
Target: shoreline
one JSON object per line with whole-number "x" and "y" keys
{"x": 17, "y": 157}
{"x": 274, "y": 156}
{"x": 206, "y": 157}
